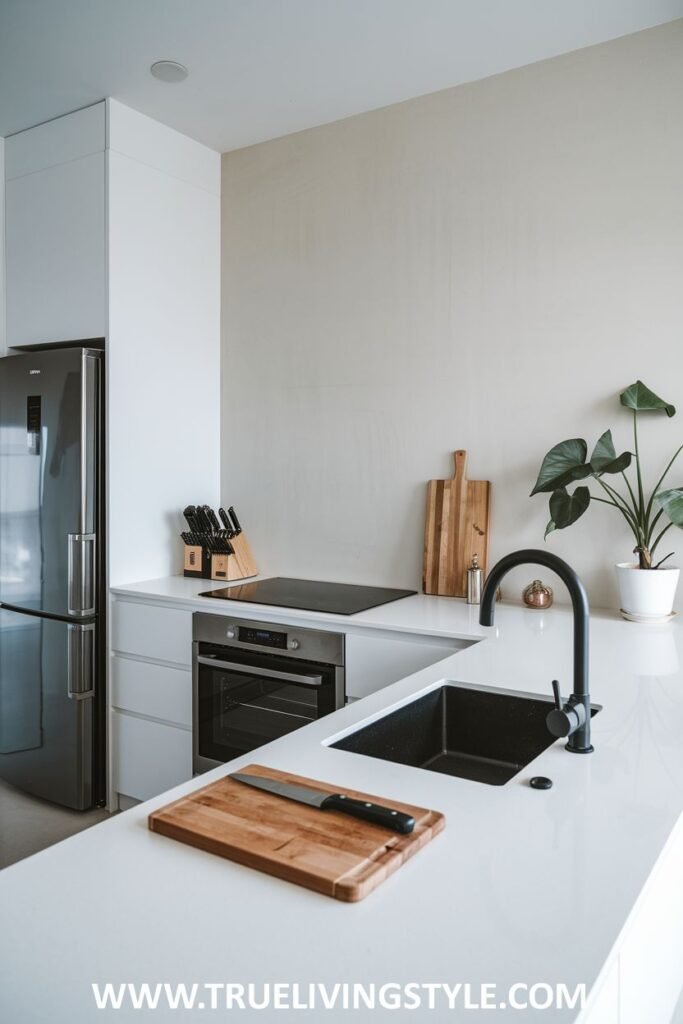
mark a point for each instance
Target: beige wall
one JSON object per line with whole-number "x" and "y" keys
{"x": 484, "y": 268}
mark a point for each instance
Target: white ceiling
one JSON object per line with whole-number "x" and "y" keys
{"x": 264, "y": 68}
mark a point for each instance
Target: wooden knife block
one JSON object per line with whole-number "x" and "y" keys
{"x": 239, "y": 566}
{"x": 201, "y": 563}
{"x": 196, "y": 562}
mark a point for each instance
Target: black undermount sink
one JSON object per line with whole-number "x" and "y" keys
{"x": 485, "y": 735}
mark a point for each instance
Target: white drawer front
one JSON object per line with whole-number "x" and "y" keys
{"x": 149, "y": 758}
{"x": 150, "y": 631}
{"x": 155, "y": 690}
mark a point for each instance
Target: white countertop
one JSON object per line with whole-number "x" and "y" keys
{"x": 522, "y": 886}
{"x": 419, "y": 614}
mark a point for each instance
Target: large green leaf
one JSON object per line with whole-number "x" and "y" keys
{"x": 604, "y": 451}
{"x": 640, "y": 398}
{"x": 619, "y": 464}
{"x": 566, "y": 508}
{"x": 672, "y": 503}
{"x": 605, "y": 459}
{"x": 562, "y": 465}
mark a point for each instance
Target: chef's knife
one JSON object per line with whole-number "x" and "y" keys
{"x": 211, "y": 515}
{"x": 226, "y": 522}
{"x": 375, "y": 813}
{"x": 190, "y": 514}
{"x": 204, "y": 524}
{"x": 235, "y": 520}
{"x": 207, "y": 517}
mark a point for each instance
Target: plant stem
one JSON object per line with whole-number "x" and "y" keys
{"x": 654, "y": 546}
{"x": 630, "y": 489}
{"x": 641, "y": 496}
{"x": 623, "y": 508}
{"x": 651, "y": 527}
{"x": 604, "y": 501}
{"x": 661, "y": 481}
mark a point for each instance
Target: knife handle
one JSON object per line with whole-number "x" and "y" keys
{"x": 235, "y": 521}
{"x": 367, "y": 811}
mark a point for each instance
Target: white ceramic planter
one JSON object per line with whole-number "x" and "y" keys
{"x": 646, "y": 593}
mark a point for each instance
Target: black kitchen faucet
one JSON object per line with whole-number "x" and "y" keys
{"x": 573, "y": 717}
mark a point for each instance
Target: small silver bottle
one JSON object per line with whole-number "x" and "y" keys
{"x": 475, "y": 581}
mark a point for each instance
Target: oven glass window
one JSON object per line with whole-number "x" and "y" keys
{"x": 240, "y": 708}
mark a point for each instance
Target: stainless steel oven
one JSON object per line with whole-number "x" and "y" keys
{"x": 253, "y": 682}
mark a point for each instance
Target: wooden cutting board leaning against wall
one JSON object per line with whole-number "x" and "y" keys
{"x": 456, "y": 528}
{"x": 327, "y": 851}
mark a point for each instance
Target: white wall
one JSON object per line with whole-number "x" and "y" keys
{"x": 163, "y": 345}
{"x": 485, "y": 268}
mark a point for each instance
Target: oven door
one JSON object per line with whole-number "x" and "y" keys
{"x": 242, "y": 700}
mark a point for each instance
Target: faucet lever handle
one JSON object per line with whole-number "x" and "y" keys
{"x": 556, "y": 691}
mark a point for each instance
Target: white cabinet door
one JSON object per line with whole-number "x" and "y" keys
{"x": 148, "y": 757}
{"x": 651, "y": 953}
{"x": 373, "y": 662}
{"x": 55, "y": 230}
{"x": 603, "y": 1005}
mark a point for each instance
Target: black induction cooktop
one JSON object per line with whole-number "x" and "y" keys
{"x": 310, "y": 595}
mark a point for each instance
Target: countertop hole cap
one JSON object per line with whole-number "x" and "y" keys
{"x": 540, "y": 782}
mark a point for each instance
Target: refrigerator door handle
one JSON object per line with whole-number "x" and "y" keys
{"x": 81, "y": 661}
{"x": 82, "y": 585}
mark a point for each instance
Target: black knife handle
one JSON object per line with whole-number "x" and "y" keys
{"x": 375, "y": 813}
{"x": 190, "y": 514}
{"x": 216, "y": 526}
{"x": 235, "y": 520}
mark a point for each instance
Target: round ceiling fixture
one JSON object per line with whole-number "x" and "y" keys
{"x": 169, "y": 71}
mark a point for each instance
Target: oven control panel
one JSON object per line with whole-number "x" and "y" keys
{"x": 262, "y": 637}
{"x": 289, "y": 641}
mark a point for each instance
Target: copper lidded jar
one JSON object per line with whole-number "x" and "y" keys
{"x": 538, "y": 595}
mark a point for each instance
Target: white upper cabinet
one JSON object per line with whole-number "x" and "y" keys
{"x": 55, "y": 230}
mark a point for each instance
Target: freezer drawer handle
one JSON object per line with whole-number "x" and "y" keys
{"x": 81, "y": 661}
{"x": 81, "y": 580}
{"x": 283, "y": 677}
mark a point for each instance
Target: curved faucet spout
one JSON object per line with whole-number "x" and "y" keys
{"x": 578, "y": 706}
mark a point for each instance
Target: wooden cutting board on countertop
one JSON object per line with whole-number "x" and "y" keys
{"x": 327, "y": 851}
{"x": 456, "y": 528}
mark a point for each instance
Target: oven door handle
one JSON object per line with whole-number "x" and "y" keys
{"x": 271, "y": 673}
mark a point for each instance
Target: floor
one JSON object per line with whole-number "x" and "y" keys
{"x": 28, "y": 825}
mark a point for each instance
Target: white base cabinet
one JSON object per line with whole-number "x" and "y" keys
{"x": 150, "y": 689}
{"x": 150, "y": 756}
{"x": 644, "y": 981}
{"x": 150, "y": 696}
{"x": 376, "y": 659}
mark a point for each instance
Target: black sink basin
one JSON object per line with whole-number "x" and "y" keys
{"x": 483, "y": 735}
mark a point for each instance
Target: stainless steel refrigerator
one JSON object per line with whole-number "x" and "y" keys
{"x": 52, "y": 690}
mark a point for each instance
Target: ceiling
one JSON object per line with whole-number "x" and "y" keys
{"x": 264, "y": 68}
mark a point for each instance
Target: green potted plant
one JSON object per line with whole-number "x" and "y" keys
{"x": 647, "y": 587}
